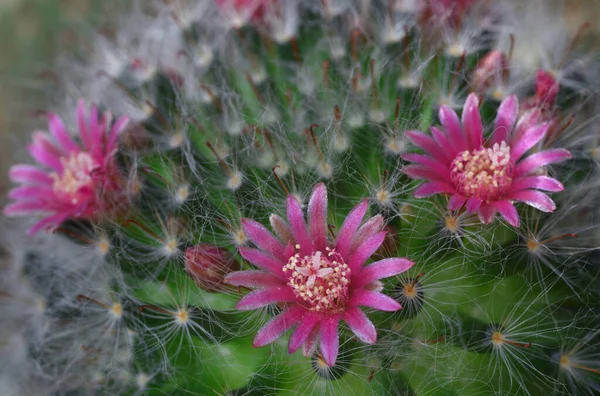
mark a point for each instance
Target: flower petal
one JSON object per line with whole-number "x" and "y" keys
{"x": 456, "y": 202}
{"x": 330, "y": 342}
{"x": 505, "y": 119}
{"x": 368, "y": 229}
{"x": 50, "y": 223}
{"x": 349, "y": 228}
{"x": 473, "y": 205}
{"x": 379, "y": 270}
{"x": 260, "y": 298}
{"x": 434, "y": 187}
{"x": 317, "y": 217}
{"x": 298, "y": 225}
{"x": 529, "y": 139}
{"x": 366, "y": 250}
{"x": 277, "y": 326}
{"x": 25, "y": 208}
{"x": 432, "y": 163}
{"x": 375, "y": 300}
{"x": 508, "y": 212}
{"x": 429, "y": 145}
{"x": 44, "y": 152}
{"x": 282, "y": 229}
{"x": 310, "y": 345}
{"x": 471, "y": 120}
{"x": 537, "y": 160}
{"x": 486, "y": 213}
{"x": 303, "y": 330}
{"x": 360, "y": 325}
{"x": 422, "y": 172}
{"x": 252, "y": 279}
{"x": 527, "y": 120}
{"x": 29, "y": 174}
{"x": 32, "y": 193}
{"x": 451, "y": 124}
{"x": 538, "y": 182}
{"x": 118, "y": 127}
{"x": 537, "y": 199}
{"x": 59, "y": 132}
{"x": 262, "y": 260}
{"x": 262, "y": 238}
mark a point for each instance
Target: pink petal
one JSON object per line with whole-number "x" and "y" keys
{"x": 281, "y": 228}
{"x": 262, "y": 297}
{"x": 277, "y": 326}
{"x": 303, "y": 331}
{"x": 330, "y": 342}
{"x": 533, "y": 198}
{"x": 438, "y": 167}
{"x": 252, "y": 279}
{"x": 527, "y": 121}
{"x": 37, "y": 193}
{"x": 310, "y": 345}
{"x": 441, "y": 139}
{"x": 25, "y": 208}
{"x": 118, "y": 127}
{"x": 456, "y": 202}
{"x": 529, "y": 139}
{"x": 471, "y": 120}
{"x": 50, "y": 223}
{"x": 29, "y": 174}
{"x": 296, "y": 219}
{"x": 262, "y": 260}
{"x": 379, "y": 270}
{"x": 434, "y": 187}
{"x": 429, "y": 145}
{"x": 58, "y": 130}
{"x": 262, "y": 238}
{"x": 537, "y": 160}
{"x": 368, "y": 229}
{"x": 451, "y": 124}
{"x": 486, "y": 213}
{"x": 423, "y": 172}
{"x": 349, "y": 228}
{"x": 366, "y": 250}
{"x": 505, "y": 119}
{"x": 317, "y": 217}
{"x": 44, "y": 152}
{"x": 360, "y": 325}
{"x": 473, "y": 205}
{"x": 375, "y": 300}
{"x": 82, "y": 123}
{"x": 538, "y": 182}
{"x": 508, "y": 212}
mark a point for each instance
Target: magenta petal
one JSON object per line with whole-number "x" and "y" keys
{"x": 49, "y": 222}
{"x": 262, "y": 238}
{"x": 434, "y": 187}
{"x": 281, "y": 228}
{"x": 366, "y": 250}
{"x": 375, "y": 300}
{"x": 508, "y": 212}
{"x": 529, "y": 139}
{"x": 330, "y": 342}
{"x": 32, "y": 193}
{"x": 349, "y": 228}
{"x": 260, "y": 298}
{"x": 118, "y": 127}
{"x": 252, "y": 279}
{"x": 527, "y": 120}
{"x": 29, "y": 174}
{"x": 310, "y": 345}
{"x": 505, "y": 119}
{"x": 360, "y": 325}
{"x": 303, "y": 331}
{"x": 533, "y": 198}
{"x": 44, "y": 152}
{"x": 58, "y": 130}
{"x": 262, "y": 260}
{"x": 537, "y": 160}
{"x": 317, "y": 217}
{"x": 456, "y": 202}
{"x": 82, "y": 123}
{"x": 438, "y": 167}
{"x": 429, "y": 145}
{"x": 422, "y": 172}
{"x": 298, "y": 225}
{"x": 473, "y": 205}
{"x": 486, "y": 213}
{"x": 471, "y": 120}
{"x": 25, "y": 208}
{"x": 368, "y": 229}
{"x": 441, "y": 139}
{"x": 379, "y": 270}
{"x": 538, "y": 182}
{"x": 277, "y": 326}
{"x": 451, "y": 124}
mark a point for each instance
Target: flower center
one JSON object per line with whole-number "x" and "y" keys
{"x": 321, "y": 279}
{"x": 76, "y": 175}
{"x": 485, "y": 173}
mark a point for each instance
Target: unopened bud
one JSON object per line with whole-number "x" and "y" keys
{"x": 489, "y": 71}
{"x": 208, "y": 265}
{"x": 546, "y": 89}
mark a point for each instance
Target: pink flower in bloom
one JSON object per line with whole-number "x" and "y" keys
{"x": 486, "y": 177}
{"x": 317, "y": 282}
{"x": 75, "y": 182}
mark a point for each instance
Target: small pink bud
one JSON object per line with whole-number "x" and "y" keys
{"x": 208, "y": 265}
{"x": 242, "y": 11}
{"x": 489, "y": 71}
{"x": 546, "y": 88}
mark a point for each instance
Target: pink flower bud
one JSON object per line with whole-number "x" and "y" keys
{"x": 208, "y": 265}
{"x": 489, "y": 71}
{"x": 546, "y": 88}
{"x": 240, "y": 12}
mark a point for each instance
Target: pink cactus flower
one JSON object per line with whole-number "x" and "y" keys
{"x": 240, "y": 12}
{"x": 74, "y": 182}
{"x": 486, "y": 177}
{"x": 317, "y": 282}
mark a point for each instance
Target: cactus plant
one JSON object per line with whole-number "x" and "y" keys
{"x": 199, "y": 205}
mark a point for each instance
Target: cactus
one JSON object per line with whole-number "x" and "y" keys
{"x": 199, "y": 205}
